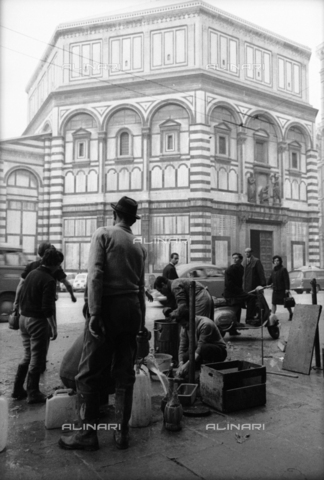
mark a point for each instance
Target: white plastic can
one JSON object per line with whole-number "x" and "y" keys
{"x": 61, "y": 409}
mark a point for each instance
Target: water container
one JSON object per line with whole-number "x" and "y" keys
{"x": 167, "y": 338}
{"x": 142, "y": 404}
{"x": 61, "y": 408}
{"x": 3, "y": 423}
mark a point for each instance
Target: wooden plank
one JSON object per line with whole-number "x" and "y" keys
{"x": 299, "y": 350}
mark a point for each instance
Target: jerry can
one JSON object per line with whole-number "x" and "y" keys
{"x": 142, "y": 404}
{"x": 61, "y": 408}
{"x": 3, "y": 423}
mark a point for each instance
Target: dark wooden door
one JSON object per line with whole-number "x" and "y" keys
{"x": 262, "y": 246}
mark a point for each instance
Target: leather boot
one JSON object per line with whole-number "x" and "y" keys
{"x": 86, "y": 436}
{"x": 19, "y": 393}
{"x": 33, "y": 393}
{"x": 123, "y": 411}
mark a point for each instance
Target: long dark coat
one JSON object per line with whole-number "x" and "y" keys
{"x": 253, "y": 274}
{"x": 279, "y": 279}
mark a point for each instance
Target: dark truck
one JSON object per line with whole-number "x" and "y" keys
{"x": 12, "y": 264}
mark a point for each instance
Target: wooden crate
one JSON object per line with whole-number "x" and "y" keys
{"x": 232, "y": 386}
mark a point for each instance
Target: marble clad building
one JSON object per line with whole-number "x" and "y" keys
{"x": 320, "y": 148}
{"x": 199, "y": 115}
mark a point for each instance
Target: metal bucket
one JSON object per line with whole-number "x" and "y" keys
{"x": 166, "y": 338}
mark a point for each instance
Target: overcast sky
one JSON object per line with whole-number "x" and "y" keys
{"x": 299, "y": 20}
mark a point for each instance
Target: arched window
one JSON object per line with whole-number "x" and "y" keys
{"x": 124, "y": 144}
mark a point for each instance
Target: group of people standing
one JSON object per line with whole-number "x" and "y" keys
{"x": 115, "y": 314}
{"x": 246, "y": 276}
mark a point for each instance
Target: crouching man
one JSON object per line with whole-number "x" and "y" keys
{"x": 209, "y": 344}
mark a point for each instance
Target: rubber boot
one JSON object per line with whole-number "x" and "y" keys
{"x": 123, "y": 410}
{"x": 86, "y": 436}
{"x": 19, "y": 393}
{"x": 33, "y": 393}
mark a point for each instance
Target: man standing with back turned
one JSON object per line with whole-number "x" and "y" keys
{"x": 117, "y": 307}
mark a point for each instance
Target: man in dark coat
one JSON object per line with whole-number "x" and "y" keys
{"x": 169, "y": 271}
{"x": 234, "y": 293}
{"x": 253, "y": 277}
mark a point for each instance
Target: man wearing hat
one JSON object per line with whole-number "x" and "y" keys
{"x": 116, "y": 303}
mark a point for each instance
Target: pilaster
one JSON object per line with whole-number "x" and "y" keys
{"x": 312, "y": 200}
{"x": 102, "y": 143}
{"x": 241, "y": 139}
{"x": 56, "y": 181}
{"x": 3, "y": 204}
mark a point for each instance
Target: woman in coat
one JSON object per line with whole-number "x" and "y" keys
{"x": 279, "y": 279}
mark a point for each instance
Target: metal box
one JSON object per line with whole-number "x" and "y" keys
{"x": 232, "y": 386}
{"x": 187, "y": 393}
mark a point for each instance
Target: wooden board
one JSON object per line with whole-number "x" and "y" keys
{"x": 301, "y": 340}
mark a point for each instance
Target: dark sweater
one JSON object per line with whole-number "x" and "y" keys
{"x": 170, "y": 272}
{"x": 233, "y": 281}
{"x": 37, "y": 296}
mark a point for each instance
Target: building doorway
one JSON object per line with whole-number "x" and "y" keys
{"x": 262, "y": 246}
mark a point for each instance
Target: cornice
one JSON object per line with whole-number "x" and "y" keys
{"x": 169, "y": 12}
{"x": 168, "y": 9}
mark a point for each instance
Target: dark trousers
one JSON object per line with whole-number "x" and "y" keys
{"x": 34, "y": 333}
{"x": 251, "y": 307}
{"x": 121, "y": 315}
{"x": 209, "y": 353}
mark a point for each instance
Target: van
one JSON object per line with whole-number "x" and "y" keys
{"x": 12, "y": 263}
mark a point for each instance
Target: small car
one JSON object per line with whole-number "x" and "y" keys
{"x": 80, "y": 282}
{"x": 301, "y": 277}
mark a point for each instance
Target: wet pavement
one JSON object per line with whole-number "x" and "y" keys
{"x": 288, "y": 446}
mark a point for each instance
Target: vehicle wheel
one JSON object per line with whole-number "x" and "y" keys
{"x": 6, "y": 306}
{"x": 299, "y": 292}
{"x": 274, "y": 331}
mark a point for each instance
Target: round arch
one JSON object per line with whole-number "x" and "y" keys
{"x": 164, "y": 103}
{"x": 237, "y": 116}
{"x": 268, "y": 115}
{"x": 28, "y": 169}
{"x": 77, "y": 112}
{"x": 125, "y": 106}
{"x": 309, "y": 143}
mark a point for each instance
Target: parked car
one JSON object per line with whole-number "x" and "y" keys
{"x": 206, "y": 273}
{"x": 301, "y": 277}
{"x": 12, "y": 264}
{"x": 70, "y": 277}
{"x": 80, "y": 282}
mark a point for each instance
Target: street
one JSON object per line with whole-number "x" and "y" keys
{"x": 292, "y": 420}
